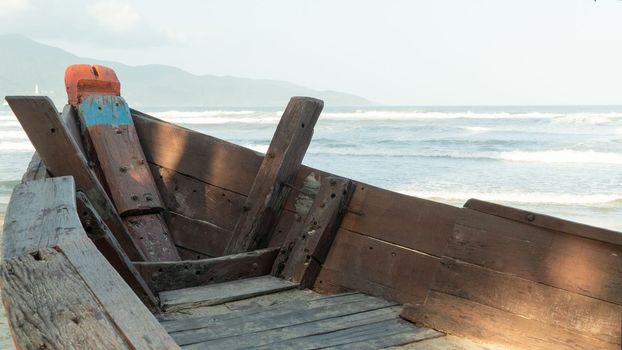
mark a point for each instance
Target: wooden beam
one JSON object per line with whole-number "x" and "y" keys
{"x": 163, "y": 276}
{"x": 107, "y": 244}
{"x": 305, "y": 251}
{"x": 545, "y": 221}
{"x": 280, "y": 165}
{"x": 62, "y": 156}
{"x": 198, "y": 235}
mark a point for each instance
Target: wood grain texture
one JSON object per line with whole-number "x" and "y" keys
{"x": 310, "y": 246}
{"x": 380, "y": 268}
{"x": 191, "y": 153}
{"x": 576, "y": 264}
{"x": 107, "y": 121}
{"x": 50, "y": 307}
{"x": 222, "y": 292}
{"x": 36, "y": 170}
{"x": 280, "y": 165}
{"x": 62, "y": 156}
{"x": 108, "y": 246}
{"x": 197, "y": 235}
{"x": 150, "y": 230}
{"x": 192, "y": 273}
{"x": 546, "y": 221}
{"x": 400, "y": 219}
{"x": 198, "y": 200}
{"x": 556, "y": 307}
{"x": 462, "y": 317}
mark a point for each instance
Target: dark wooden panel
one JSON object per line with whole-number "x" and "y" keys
{"x": 206, "y": 158}
{"x": 466, "y": 318}
{"x": 176, "y": 275}
{"x": 198, "y": 200}
{"x": 400, "y": 219}
{"x": 50, "y": 307}
{"x": 569, "y": 262}
{"x": 289, "y": 222}
{"x": 545, "y": 221}
{"x": 197, "y": 235}
{"x": 531, "y": 300}
{"x": 280, "y": 165}
{"x": 62, "y": 156}
{"x": 187, "y": 254}
{"x": 310, "y": 246}
{"x": 380, "y": 268}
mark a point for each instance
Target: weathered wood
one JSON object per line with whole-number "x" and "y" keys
{"x": 155, "y": 241}
{"x": 545, "y": 221}
{"x": 50, "y": 307}
{"x": 62, "y": 156}
{"x": 280, "y": 165}
{"x": 42, "y": 214}
{"x": 449, "y": 342}
{"x": 576, "y": 264}
{"x": 198, "y": 200}
{"x": 557, "y": 307}
{"x": 109, "y": 125}
{"x": 197, "y": 235}
{"x": 222, "y": 292}
{"x": 108, "y": 246}
{"x": 466, "y": 318}
{"x": 380, "y": 268}
{"x": 176, "y": 275}
{"x": 235, "y": 327}
{"x": 310, "y": 246}
{"x": 188, "y": 254}
{"x": 36, "y": 169}
{"x": 209, "y": 159}
{"x": 400, "y": 219}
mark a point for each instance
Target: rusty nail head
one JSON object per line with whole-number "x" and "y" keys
{"x": 531, "y": 217}
{"x": 134, "y": 197}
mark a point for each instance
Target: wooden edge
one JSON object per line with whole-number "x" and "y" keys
{"x": 162, "y": 276}
{"x": 36, "y": 170}
{"x": 545, "y": 221}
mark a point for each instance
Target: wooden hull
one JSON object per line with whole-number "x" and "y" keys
{"x": 484, "y": 271}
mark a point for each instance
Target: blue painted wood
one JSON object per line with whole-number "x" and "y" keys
{"x": 104, "y": 109}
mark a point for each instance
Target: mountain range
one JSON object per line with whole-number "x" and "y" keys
{"x": 27, "y": 65}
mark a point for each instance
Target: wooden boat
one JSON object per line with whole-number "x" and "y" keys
{"x": 131, "y": 232}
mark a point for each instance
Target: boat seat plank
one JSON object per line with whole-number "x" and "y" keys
{"x": 53, "y": 306}
{"x": 222, "y": 292}
{"x": 170, "y": 275}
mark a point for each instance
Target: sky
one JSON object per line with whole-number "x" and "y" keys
{"x": 434, "y": 52}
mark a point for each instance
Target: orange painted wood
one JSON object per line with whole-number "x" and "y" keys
{"x": 83, "y": 80}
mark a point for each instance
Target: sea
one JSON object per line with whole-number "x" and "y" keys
{"x": 564, "y": 161}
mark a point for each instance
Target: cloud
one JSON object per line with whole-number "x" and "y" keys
{"x": 11, "y": 7}
{"x": 114, "y": 16}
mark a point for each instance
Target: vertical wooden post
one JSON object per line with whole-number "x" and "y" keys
{"x": 280, "y": 165}
{"x": 305, "y": 251}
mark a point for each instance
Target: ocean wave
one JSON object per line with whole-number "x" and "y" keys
{"x": 518, "y": 197}
{"x": 16, "y": 134}
{"x": 563, "y": 156}
{"x": 13, "y": 147}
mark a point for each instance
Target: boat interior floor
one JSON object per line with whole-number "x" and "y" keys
{"x": 271, "y": 313}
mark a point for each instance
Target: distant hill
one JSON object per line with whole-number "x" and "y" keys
{"x": 25, "y": 63}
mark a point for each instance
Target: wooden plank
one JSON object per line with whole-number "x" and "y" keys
{"x": 41, "y": 214}
{"x": 197, "y": 235}
{"x": 253, "y": 325}
{"x": 176, "y": 275}
{"x": 203, "y": 157}
{"x": 380, "y": 268}
{"x": 36, "y": 169}
{"x": 280, "y": 165}
{"x": 108, "y": 123}
{"x": 400, "y": 219}
{"x": 298, "y": 330}
{"x": 469, "y": 319}
{"x": 62, "y": 156}
{"x": 288, "y": 223}
{"x": 222, "y": 292}
{"x": 155, "y": 241}
{"x": 49, "y": 306}
{"x": 187, "y": 254}
{"x": 310, "y": 246}
{"x": 450, "y": 342}
{"x": 545, "y": 221}
{"x": 108, "y": 246}
{"x": 557, "y": 307}
{"x": 576, "y": 264}
{"x": 198, "y": 200}
{"x": 264, "y": 312}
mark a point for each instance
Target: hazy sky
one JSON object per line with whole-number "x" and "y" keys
{"x": 434, "y": 52}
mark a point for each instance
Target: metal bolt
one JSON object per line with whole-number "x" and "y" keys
{"x": 531, "y": 217}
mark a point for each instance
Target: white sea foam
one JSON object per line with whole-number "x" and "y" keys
{"x": 517, "y": 197}
{"x": 12, "y": 147}
{"x": 562, "y": 156}
{"x": 476, "y": 129}
{"x": 16, "y": 134}
{"x": 258, "y": 147}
